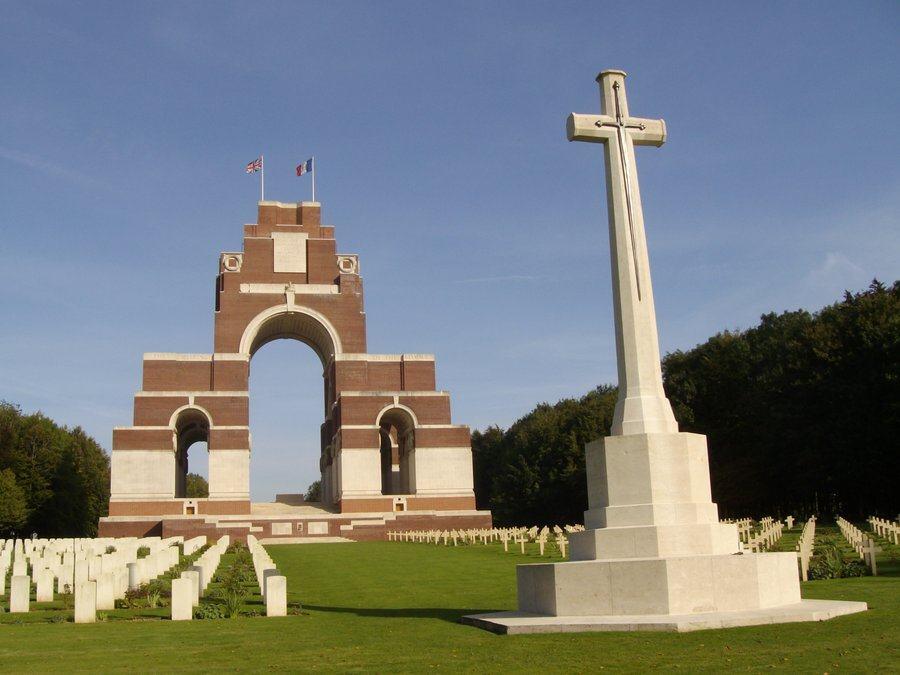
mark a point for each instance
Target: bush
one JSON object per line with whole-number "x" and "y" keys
{"x": 143, "y": 551}
{"x": 209, "y": 611}
{"x": 233, "y": 591}
{"x": 829, "y": 563}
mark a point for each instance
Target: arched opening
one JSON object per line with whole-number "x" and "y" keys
{"x": 294, "y": 322}
{"x": 397, "y": 428}
{"x": 286, "y": 408}
{"x": 191, "y": 426}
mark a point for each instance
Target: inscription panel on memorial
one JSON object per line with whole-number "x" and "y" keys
{"x": 290, "y": 251}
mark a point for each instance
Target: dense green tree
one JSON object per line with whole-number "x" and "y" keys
{"x": 196, "y": 485}
{"x": 533, "y": 473}
{"x": 801, "y": 413}
{"x": 13, "y": 505}
{"x": 314, "y": 491}
{"x": 63, "y": 474}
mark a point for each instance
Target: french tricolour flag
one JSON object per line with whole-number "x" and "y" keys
{"x": 305, "y": 167}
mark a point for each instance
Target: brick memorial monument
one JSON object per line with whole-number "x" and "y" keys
{"x": 390, "y": 456}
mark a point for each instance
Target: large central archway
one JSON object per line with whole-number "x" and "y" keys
{"x": 302, "y": 324}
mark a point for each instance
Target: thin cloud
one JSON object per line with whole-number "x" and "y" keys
{"x": 39, "y": 164}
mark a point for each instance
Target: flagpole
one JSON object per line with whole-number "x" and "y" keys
{"x": 262, "y": 178}
{"x": 314, "y": 178}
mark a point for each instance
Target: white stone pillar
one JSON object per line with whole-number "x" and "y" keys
{"x": 134, "y": 581}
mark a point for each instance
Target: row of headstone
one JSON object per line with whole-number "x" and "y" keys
{"x": 805, "y": 546}
{"x": 770, "y": 531}
{"x": 99, "y": 571}
{"x": 887, "y": 529}
{"x": 862, "y": 544}
{"x": 506, "y": 535}
{"x": 272, "y": 584}
{"x": 192, "y": 583}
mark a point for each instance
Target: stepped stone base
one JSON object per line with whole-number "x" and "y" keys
{"x": 675, "y": 585}
{"x": 512, "y": 623}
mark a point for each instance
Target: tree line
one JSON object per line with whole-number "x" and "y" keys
{"x": 54, "y": 481}
{"x": 801, "y": 414}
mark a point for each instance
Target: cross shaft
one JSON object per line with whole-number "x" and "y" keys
{"x": 642, "y": 406}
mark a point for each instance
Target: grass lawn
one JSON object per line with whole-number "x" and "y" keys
{"x": 395, "y": 607}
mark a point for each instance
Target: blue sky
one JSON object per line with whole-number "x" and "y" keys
{"x": 439, "y": 131}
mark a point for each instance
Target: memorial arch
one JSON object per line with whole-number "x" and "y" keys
{"x": 388, "y": 447}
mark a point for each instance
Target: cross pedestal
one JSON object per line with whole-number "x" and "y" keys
{"x": 654, "y": 554}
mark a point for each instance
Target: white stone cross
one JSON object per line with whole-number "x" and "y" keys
{"x": 868, "y": 550}
{"x": 642, "y": 406}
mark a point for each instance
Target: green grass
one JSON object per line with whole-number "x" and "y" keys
{"x": 395, "y": 607}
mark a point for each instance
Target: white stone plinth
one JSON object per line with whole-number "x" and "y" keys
{"x": 86, "y": 602}
{"x": 182, "y": 596}
{"x": 511, "y": 623}
{"x": 19, "y": 593}
{"x": 276, "y": 595}
{"x": 134, "y": 579}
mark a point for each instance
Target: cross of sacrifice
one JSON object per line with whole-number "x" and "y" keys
{"x": 642, "y": 406}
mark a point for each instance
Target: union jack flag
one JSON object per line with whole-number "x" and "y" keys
{"x": 255, "y": 165}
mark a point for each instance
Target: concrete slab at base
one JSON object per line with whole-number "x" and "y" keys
{"x": 513, "y": 623}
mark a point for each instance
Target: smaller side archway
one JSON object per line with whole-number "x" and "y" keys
{"x": 397, "y": 431}
{"x": 190, "y": 424}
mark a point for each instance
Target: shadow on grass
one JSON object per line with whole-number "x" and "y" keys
{"x": 441, "y": 613}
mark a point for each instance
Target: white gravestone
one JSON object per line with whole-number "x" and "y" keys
{"x": 106, "y": 598}
{"x": 194, "y": 576}
{"x": 44, "y": 586}
{"x": 267, "y": 570}
{"x": 182, "y": 599}
{"x": 276, "y": 595}
{"x": 86, "y": 602}
{"x": 19, "y": 594}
